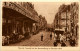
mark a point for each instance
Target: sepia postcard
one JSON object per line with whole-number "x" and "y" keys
{"x": 40, "y": 25}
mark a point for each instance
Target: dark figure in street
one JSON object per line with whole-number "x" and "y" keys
{"x": 72, "y": 42}
{"x": 42, "y": 37}
{"x": 63, "y": 44}
{"x": 55, "y": 43}
{"x": 58, "y": 39}
{"x": 50, "y": 36}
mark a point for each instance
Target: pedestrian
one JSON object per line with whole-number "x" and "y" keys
{"x": 55, "y": 37}
{"x": 72, "y": 41}
{"x": 42, "y": 37}
{"x": 61, "y": 38}
{"x": 51, "y": 36}
{"x": 58, "y": 38}
{"x": 67, "y": 37}
{"x": 64, "y": 38}
{"x": 8, "y": 37}
{"x": 63, "y": 44}
{"x": 55, "y": 43}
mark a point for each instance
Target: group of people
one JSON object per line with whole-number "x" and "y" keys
{"x": 64, "y": 40}
{"x": 13, "y": 38}
{"x": 59, "y": 39}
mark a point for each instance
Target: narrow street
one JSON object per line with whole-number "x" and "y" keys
{"x": 33, "y": 25}
{"x": 35, "y": 40}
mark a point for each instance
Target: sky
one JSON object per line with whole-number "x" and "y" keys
{"x": 48, "y": 9}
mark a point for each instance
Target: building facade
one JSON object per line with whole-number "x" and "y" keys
{"x": 18, "y": 18}
{"x": 67, "y": 18}
{"x": 75, "y": 18}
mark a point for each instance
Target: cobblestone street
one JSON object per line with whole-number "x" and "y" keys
{"x": 35, "y": 40}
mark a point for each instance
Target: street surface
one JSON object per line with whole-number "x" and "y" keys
{"x": 35, "y": 40}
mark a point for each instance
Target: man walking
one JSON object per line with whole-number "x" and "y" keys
{"x": 42, "y": 37}
{"x": 51, "y": 36}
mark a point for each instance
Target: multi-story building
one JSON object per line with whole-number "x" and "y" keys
{"x": 74, "y": 18}
{"x": 67, "y": 18}
{"x": 18, "y": 17}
